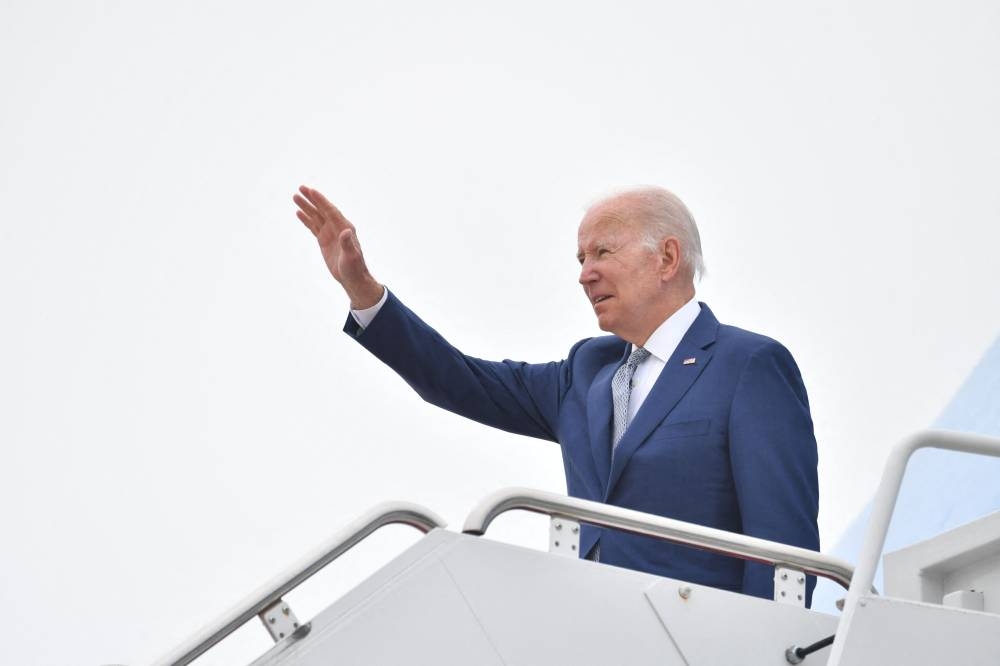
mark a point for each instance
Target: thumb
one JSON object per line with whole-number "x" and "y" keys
{"x": 352, "y": 262}
{"x": 360, "y": 286}
{"x": 349, "y": 243}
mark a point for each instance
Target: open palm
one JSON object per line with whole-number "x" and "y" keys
{"x": 338, "y": 241}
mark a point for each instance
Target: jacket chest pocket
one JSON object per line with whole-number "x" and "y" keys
{"x": 692, "y": 428}
{"x": 685, "y": 448}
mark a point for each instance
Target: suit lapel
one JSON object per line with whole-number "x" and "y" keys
{"x": 599, "y": 419}
{"x": 674, "y": 381}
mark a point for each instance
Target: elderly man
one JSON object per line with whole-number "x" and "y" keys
{"x": 673, "y": 413}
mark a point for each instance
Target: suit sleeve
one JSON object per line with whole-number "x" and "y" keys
{"x": 774, "y": 460}
{"x": 521, "y": 398}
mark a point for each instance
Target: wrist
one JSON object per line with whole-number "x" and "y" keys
{"x": 366, "y": 295}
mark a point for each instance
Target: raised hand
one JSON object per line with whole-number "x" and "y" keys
{"x": 338, "y": 241}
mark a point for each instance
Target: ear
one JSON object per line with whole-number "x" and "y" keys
{"x": 670, "y": 258}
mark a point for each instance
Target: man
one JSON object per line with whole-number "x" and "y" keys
{"x": 673, "y": 414}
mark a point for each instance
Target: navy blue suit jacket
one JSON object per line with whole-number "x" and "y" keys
{"x": 725, "y": 441}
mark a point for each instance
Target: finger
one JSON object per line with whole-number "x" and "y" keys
{"x": 310, "y": 224}
{"x": 329, "y": 212}
{"x": 317, "y": 199}
{"x": 306, "y": 207}
{"x": 309, "y": 215}
{"x": 308, "y": 210}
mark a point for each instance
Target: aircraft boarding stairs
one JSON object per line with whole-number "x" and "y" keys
{"x": 454, "y": 598}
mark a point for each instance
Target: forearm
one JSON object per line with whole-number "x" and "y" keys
{"x": 515, "y": 397}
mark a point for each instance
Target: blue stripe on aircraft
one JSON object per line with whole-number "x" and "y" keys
{"x": 941, "y": 489}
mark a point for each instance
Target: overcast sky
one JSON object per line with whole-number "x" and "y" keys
{"x": 181, "y": 416}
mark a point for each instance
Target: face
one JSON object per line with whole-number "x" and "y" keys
{"x": 621, "y": 276}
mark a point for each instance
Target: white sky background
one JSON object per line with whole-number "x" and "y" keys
{"x": 181, "y": 416}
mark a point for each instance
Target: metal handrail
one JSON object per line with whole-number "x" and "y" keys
{"x": 677, "y": 531}
{"x": 384, "y": 514}
{"x": 884, "y": 504}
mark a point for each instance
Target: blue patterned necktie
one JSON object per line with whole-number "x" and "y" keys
{"x": 621, "y": 391}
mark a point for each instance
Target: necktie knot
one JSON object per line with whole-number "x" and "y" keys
{"x": 637, "y": 356}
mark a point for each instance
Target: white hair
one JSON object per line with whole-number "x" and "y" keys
{"x": 663, "y": 214}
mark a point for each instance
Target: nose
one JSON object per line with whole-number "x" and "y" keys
{"x": 587, "y": 273}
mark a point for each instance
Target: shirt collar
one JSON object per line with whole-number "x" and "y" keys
{"x": 667, "y": 335}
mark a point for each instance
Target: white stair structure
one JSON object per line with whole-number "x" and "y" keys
{"x": 459, "y": 598}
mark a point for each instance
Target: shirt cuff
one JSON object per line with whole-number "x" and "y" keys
{"x": 365, "y": 317}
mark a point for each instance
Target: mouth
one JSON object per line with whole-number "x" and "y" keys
{"x": 599, "y": 299}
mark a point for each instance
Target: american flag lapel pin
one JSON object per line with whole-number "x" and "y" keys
{"x": 690, "y": 361}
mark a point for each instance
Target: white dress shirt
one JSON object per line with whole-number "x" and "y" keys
{"x": 660, "y": 345}
{"x": 364, "y": 317}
